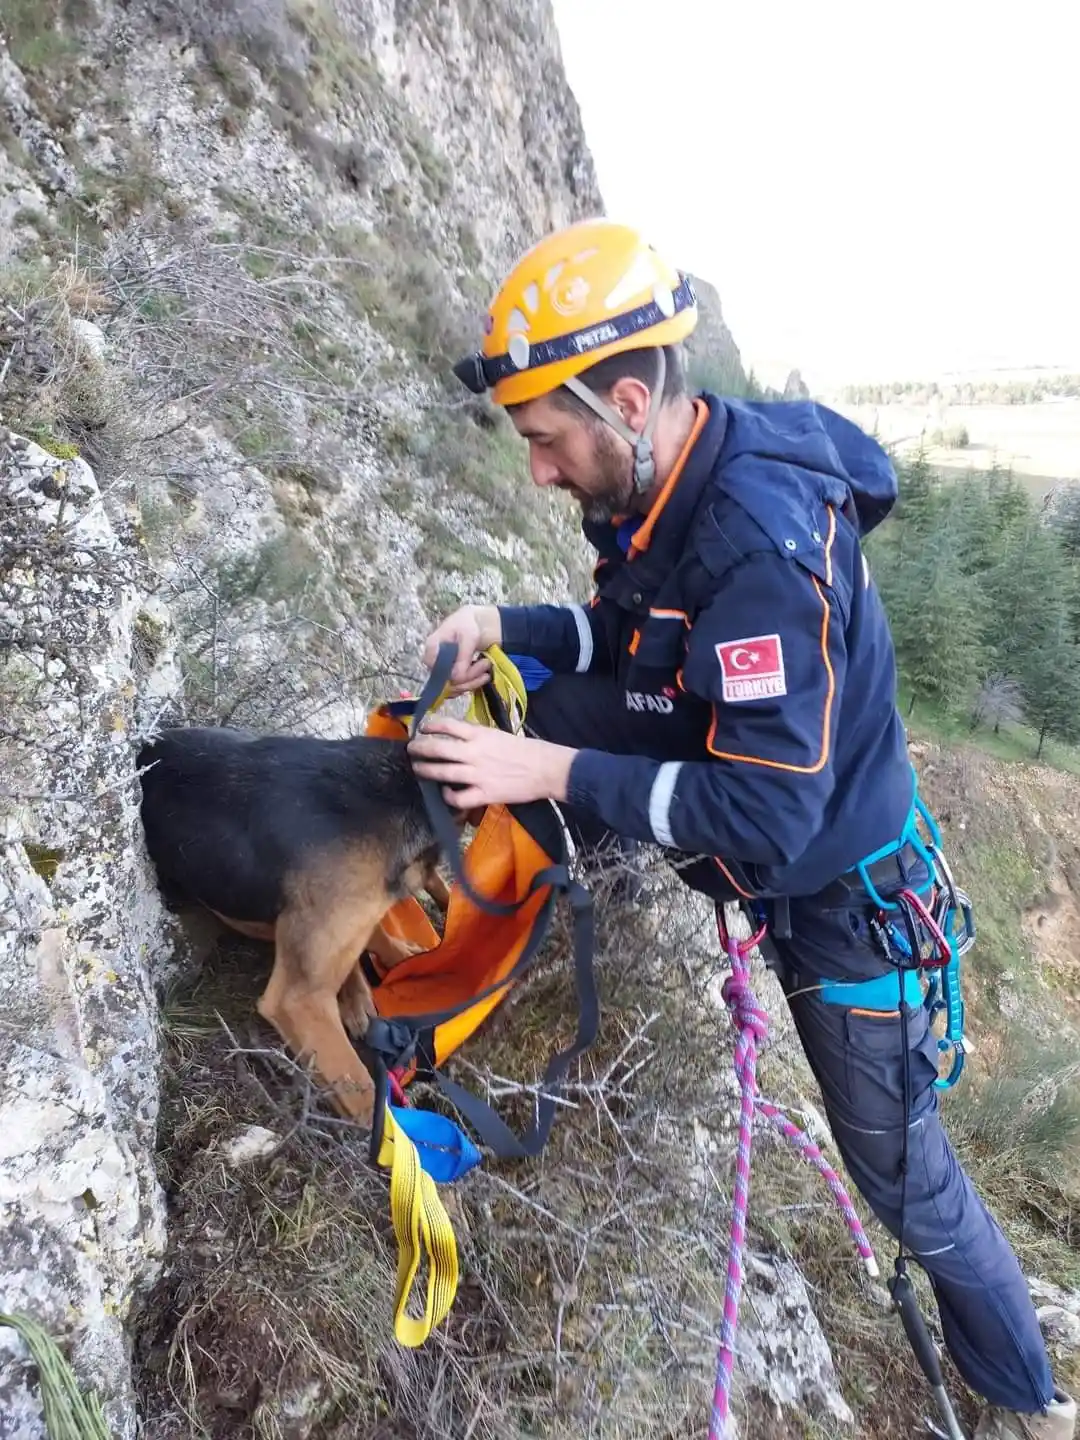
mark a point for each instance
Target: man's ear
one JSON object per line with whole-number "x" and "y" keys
{"x": 631, "y": 397}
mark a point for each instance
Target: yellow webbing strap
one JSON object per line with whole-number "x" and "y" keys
{"x": 421, "y": 1225}
{"x": 510, "y": 688}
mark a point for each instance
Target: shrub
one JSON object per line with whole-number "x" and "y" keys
{"x": 55, "y": 388}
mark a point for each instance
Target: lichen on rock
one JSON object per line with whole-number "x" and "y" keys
{"x": 81, "y": 1213}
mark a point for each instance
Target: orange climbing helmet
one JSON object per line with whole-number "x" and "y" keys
{"x": 579, "y": 295}
{"x": 585, "y": 292}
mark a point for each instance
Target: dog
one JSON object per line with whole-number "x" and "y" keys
{"x": 306, "y": 843}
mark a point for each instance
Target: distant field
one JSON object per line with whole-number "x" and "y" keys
{"x": 1041, "y": 442}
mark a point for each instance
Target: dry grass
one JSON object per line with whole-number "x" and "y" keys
{"x": 257, "y": 643}
{"x": 228, "y": 331}
{"x": 1038, "y": 441}
{"x": 591, "y": 1281}
{"x": 53, "y": 388}
{"x": 258, "y": 339}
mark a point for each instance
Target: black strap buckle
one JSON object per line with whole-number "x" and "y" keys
{"x": 393, "y": 1041}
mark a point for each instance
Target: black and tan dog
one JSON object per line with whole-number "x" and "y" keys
{"x": 307, "y": 843}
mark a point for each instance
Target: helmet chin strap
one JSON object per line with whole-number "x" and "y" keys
{"x": 642, "y": 445}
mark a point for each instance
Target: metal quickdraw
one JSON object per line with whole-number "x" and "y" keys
{"x": 943, "y": 913}
{"x": 956, "y": 919}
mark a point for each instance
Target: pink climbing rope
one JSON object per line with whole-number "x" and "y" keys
{"x": 397, "y": 1092}
{"x": 752, "y": 1027}
{"x": 813, "y": 1156}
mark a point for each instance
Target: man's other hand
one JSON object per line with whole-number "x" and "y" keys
{"x": 471, "y": 629}
{"x": 492, "y": 767}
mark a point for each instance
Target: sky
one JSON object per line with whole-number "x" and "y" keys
{"x": 878, "y": 190}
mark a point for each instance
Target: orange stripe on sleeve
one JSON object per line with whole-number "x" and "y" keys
{"x": 826, "y": 724}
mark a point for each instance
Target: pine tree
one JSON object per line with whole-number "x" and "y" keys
{"x": 918, "y": 495}
{"x": 1065, "y": 519}
{"x": 934, "y": 614}
{"x": 1050, "y": 678}
{"x": 982, "y": 598}
{"x": 1012, "y": 504}
{"x": 969, "y": 519}
{"x": 1022, "y": 591}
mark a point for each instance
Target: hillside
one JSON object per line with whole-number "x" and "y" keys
{"x": 1027, "y": 420}
{"x": 239, "y": 244}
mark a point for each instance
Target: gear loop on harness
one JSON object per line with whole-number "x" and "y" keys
{"x": 923, "y": 931}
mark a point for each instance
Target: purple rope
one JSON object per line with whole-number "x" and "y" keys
{"x": 813, "y": 1156}
{"x": 752, "y": 1026}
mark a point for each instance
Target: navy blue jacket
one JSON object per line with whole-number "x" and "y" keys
{"x": 752, "y": 599}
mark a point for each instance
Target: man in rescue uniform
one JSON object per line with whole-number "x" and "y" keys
{"x": 729, "y": 692}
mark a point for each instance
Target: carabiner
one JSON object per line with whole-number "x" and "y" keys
{"x": 915, "y": 906}
{"x": 946, "y": 1082}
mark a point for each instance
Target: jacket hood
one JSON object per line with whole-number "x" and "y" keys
{"x": 814, "y": 453}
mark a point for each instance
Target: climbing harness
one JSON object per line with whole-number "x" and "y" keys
{"x": 752, "y": 1027}
{"x": 501, "y": 903}
{"x": 924, "y": 932}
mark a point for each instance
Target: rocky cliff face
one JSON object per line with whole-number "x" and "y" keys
{"x": 239, "y": 244}
{"x": 81, "y": 1218}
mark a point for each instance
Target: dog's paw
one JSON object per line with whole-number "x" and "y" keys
{"x": 355, "y": 1004}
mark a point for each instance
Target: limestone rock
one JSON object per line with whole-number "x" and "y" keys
{"x": 81, "y": 1215}
{"x": 254, "y": 1143}
{"x": 31, "y": 129}
{"x": 781, "y": 1351}
{"x": 1059, "y": 1313}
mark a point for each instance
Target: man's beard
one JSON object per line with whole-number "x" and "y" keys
{"x": 611, "y": 489}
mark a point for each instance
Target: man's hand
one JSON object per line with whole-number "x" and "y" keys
{"x": 472, "y": 628}
{"x": 493, "y": 767}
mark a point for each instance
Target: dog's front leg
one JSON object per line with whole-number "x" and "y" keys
{"x": 355, "y": 1003}
{"x": 437, "y": 888}
{"x": 315, "y": 957}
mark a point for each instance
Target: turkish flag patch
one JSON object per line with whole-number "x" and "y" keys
{"x": 753, "y": 669}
